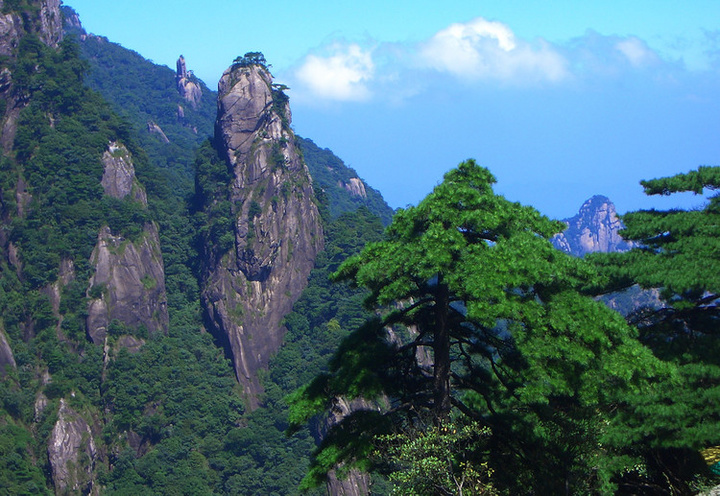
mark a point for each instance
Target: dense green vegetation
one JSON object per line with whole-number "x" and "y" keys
{"x": 486, "y": 366}
{"x": 144, "y": 92}
{"x": 327, "y": 171}
{"x": 668, "y": 423}
{"x": 559, "y": 381}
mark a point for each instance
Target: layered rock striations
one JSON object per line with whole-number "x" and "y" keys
{"x": 277, "y": 232}
{"x": 596, "y": 228}
{"x": 128, "y": 285}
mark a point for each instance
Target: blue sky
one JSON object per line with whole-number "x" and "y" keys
{"x": 559, "y": 99}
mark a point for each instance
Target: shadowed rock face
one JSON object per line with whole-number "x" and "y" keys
{"x": 594, "y": 229}
{"x": 129, "y": 279}
{"x": 72, "y": 453}
{"x": 353, "y": 482}
{"x": 248, "y": 291}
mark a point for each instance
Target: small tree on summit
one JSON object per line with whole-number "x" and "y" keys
{"x": 251, "y": 58}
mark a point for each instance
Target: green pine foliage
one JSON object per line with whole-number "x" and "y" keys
{"x": 515, "y": 346}
{"x": 668, "y": 423}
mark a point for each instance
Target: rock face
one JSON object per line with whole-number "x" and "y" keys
{"x": 118, "y": 178}
{"x": 277, "y": 230}
{"x": 129, "y": 280}
{"x": 155, "y": 129}
{"x": 594, "y": 229}
{"x": 128, "y": 284}
{"x": 187, "y": 87}
{"x": 355, "y": 187}
{"x": 45, "y": 22}
{"x": 354, "y": 482}
{"x": 7, "y": 360}
{"x": 72, "y": 453}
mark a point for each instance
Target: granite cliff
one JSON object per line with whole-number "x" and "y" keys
{"x": 187, "y": 85}
{"x": 276, "y": 227}
{"x": 595, "y": 228}
{"x": 129, "y": 280}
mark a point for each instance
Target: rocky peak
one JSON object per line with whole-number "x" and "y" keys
{"x": 187, "y": 86}
{"x": 128, "y": 285}
{"x": 71, "y": 20}
{"x": 277, "y": 228}
{"x": 594, "y": 229}
{"x": 118, "y": 179}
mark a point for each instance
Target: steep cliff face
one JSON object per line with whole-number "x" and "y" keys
{"x": 45, "y": 21}
{"x": 7, "y": 360}
{"x": 353, "y": 482}
{"x": 72, "y": 453}
{"x": 594, "y": 229}
{"x": 248, "y": 289}
{"x": 188, "y": 88}
{"x": 129, "y": 280}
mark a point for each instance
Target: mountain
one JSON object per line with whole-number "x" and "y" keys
{"x": 595, "y": 228}
{"x": 344, "y": 190}
{"x": 263, "y": 209}
{"x": 135, "y": 219}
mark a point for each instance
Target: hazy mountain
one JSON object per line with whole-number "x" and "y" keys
{"x": 595, "y": 228}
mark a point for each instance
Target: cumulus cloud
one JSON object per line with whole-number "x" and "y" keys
{"x": 482, "y": 49}
{"x": 636, "y": 52}
{"x": 342, "y": 75}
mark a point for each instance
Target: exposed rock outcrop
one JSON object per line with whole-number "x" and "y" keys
{"x": 51, "y": 23}
{"x": 353, "y": 482}
{"x": 187, "y": 86}
{"x": 7, "y": 360}
{"x": 594, "y": 229}
{"x": 10, "y": 29}
{"x": 354, "y": 186}
{"x": 45, "y": 21}
{"x": 155, "y": 129}
{"x": 72, "y": 453}
{"x": 119, "y": 179}
{"x": 128, "y": 284}
{"x": 129, "y": 280}
{"x": 248, "y": 290}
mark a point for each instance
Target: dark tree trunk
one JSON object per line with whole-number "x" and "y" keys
{"x": 441, "y": 352}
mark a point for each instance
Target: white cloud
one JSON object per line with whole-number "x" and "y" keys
{"x": 482, "y": 49}
{"x": 636, "y": 52}
{"x": 343, "y": 75}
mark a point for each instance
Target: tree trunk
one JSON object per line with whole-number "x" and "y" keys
{"x": 441, "y": 352}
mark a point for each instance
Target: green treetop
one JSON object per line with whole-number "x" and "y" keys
{"x": 479, "y": 317}
{"x": 679, "y": 255}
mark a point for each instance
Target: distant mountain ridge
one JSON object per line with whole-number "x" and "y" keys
{"x": 595, "y": 228}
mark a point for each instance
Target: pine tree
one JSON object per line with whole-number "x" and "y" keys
{"x": 470, "y": 281}
{"x": 679, "y": 255}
